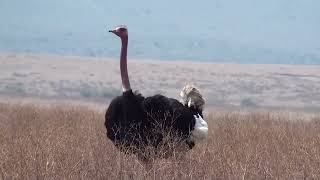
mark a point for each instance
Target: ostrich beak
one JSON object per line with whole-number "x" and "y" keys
{"x": 110, "y": 30}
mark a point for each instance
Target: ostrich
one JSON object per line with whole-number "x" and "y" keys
{"x": 134, "y": 122}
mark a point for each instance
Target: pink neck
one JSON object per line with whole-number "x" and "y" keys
{"x": 123, "y": 65}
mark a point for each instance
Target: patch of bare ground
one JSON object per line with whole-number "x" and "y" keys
{"x": 69, "y": 142}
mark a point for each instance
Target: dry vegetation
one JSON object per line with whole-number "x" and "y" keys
{"x": 69, "y": 142}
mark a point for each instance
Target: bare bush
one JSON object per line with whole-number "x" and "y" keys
{"x": 69, "y": 142}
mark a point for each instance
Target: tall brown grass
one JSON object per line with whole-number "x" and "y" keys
{"x": 69, "y": 142}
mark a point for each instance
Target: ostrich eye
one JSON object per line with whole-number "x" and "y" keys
{"x": 122, "y": 29}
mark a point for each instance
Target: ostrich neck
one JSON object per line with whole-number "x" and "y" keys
{"x": 123, "y": 65}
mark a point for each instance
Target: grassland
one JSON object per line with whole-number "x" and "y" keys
{"x": 68, "y": 141}
{"x": 48, "y": 132}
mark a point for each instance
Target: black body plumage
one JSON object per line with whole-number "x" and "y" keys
{"x": 134, "y": 122}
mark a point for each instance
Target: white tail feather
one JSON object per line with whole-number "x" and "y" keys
{"x": 200, "y": 131}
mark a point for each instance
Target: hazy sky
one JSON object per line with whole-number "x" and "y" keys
{"x": 225, "y": 30}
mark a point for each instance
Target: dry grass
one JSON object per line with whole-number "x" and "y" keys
{"x": 69, "y": 142}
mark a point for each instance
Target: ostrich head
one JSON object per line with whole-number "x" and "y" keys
{"x": 121, "y": 31}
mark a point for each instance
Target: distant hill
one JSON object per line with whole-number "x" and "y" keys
{"x": 273, "y": 31}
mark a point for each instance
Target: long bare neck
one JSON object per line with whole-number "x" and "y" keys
{"x": 123, "y": 65}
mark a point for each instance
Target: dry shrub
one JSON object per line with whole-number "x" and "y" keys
{"x": 69, "y": 142}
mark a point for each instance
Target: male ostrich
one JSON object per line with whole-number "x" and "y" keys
{"x": 134, "y": 123}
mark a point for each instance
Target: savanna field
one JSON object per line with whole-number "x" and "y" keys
{"x": 68, "y": 141}
{"x": 52, "y": 119}
{"x": 63, "y": 63}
